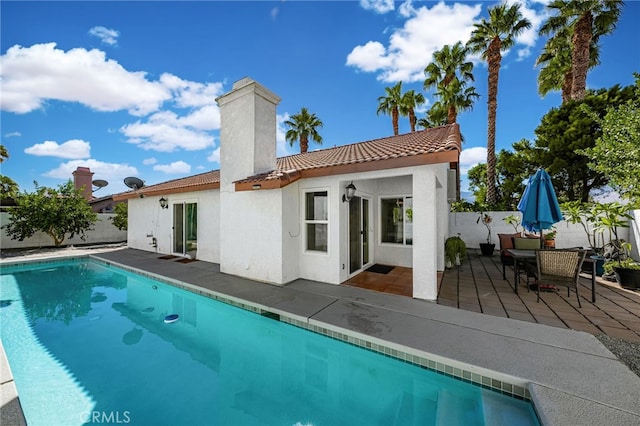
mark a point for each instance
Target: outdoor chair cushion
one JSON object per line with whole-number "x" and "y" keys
{"x": 506, "y": 241}
{"x": 526, "y": 243}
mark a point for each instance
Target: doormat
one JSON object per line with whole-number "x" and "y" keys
{"x": 167, "y": 257}
{"x": 380, "y": 269}
{"x": 549, "y": 288}
{"x": 186, "y": 260}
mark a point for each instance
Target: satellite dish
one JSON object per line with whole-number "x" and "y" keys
{"x": 133, "y": 182}
{"x": 99, "y": 183}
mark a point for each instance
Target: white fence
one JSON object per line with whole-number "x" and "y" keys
{"x": 568, "y": 235}
{"x": 103, "y": 232}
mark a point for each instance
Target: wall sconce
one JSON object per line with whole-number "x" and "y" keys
{"x": 164, "y": 203}
{"x": 351, "y": 191}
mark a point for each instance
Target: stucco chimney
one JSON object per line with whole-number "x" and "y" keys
{"x": 247, "y": 132}
{"x": 82, "y": 177}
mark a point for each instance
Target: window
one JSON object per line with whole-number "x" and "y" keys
{"x": 316, "y": 220}
{"x": 396, "y": 220}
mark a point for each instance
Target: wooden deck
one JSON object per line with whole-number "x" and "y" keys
{"x": 478, "y": 286}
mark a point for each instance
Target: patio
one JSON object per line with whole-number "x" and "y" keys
{"x": 478, "y": 286}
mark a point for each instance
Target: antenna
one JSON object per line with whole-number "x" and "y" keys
{"x": 133, "y": 182}
{"x": 99, "y": 184}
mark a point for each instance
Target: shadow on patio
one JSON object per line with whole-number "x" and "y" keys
{"x": 478, "y": 286}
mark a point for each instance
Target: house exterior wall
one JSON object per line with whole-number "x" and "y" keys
{"x": 147, "y": 220}
{"x": 251, "y": 235}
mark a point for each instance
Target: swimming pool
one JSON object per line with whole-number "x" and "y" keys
{"x": 87, "y": 343}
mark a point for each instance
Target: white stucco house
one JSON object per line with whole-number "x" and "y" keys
{"x": 279, "y": 219}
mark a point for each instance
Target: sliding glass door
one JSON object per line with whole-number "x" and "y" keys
{"x": 185, "y": 228}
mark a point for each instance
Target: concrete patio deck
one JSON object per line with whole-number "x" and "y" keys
{"x": 571, "y": 377}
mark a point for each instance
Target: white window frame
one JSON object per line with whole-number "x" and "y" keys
{"x": 306, "y": 221}
{"x": 404, "y": 220}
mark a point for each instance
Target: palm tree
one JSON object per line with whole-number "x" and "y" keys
{"x": 556, "y": 72}
{"x": 449, "y": 73}
{"x": 435, "y": 117}
{"x": 302, "y": 126}
{"x": 390, "y": 104}
{"x": 587, "y": 20}
{"x": 4, "y": 154}
{"x": 490, "y": 38}
{"x": 409, "y": 102}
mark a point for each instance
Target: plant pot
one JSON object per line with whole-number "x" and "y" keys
{"x": 628, "y": 278}
{"x": 487, "y": 249}
{"x": 599, "y": 265}
{"x": 550, "y": 243}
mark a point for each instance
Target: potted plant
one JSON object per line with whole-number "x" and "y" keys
{"x": 550, "y": 238}
{"x": 577, "y": 212}
{"x": 486, "y": 248}
{"x": 455, "y": 251}
{"x": 625, "y": 269}
{"x": 513, "y": 220}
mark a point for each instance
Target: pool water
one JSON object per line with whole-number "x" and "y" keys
{"x": 87, "y": 343}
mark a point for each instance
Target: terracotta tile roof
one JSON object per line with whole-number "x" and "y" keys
{"x": 207, "y": 180}
{"x": 395, "y": 151}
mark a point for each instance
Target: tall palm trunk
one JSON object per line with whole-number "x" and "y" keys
{"x": 580, "y": 55}
{"x": 304, "y": 143}
{"x": 412, "y": 119}
{"x": 493, "y": 59}
{"x": 452, "y": 114}
{"x": 566, "y": 86}
{"x": 394, "y": 119}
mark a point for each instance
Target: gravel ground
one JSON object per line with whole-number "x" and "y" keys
{"x": 627, "y": 352}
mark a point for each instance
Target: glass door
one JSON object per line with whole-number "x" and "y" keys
{"x": 358, "y": 233}
{"x": 185, "y": 228}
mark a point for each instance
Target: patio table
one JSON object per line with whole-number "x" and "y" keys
{"x": 524, "y": 255}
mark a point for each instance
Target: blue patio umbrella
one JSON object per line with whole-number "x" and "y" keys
{"x": 539, "y": 204}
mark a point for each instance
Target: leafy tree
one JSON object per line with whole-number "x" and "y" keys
{"x": 449, "y": 73}
{"x": 303, "y": 126}
{"x": 435, "y": 117}
{"x": 616, "y": 152}
{"x": 8, "y": 187}
{"x": 511, "y": 175}
{"x": 56, "y": 212}
{"x": 390, "y": 104}
{"x": 586, "y": 21}
{"x": 562, "y": 135}
{"x": 120, "y": 220}
{"x": 490, "y": 38}
{"x": 409, "y": 102}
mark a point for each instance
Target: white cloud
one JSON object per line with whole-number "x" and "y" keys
{"x": 177, "y": 167}
{"x": 378, "y": 6}
{"x": 113, "y": 173}
{"x": 149, "y": 161}
{"x": 32, "y": 75}
{"x": 536, "y": 13}
{"x": 72, "y": 149}
{"x": 471, "y": 157}
{"x": 411, "y": 47}
{"x": 215, "y": 156}
{"x": 106, "y": 35}
{"x": 12, "y": 134}
{"x": 283, "y": 148}
{"x": 190, "y": 93}
{"x": 166, "y": 132}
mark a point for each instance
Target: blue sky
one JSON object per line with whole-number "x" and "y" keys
{"x": 128, "y": 88}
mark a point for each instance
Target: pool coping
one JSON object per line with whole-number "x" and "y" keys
{"x": 523, "y": 359}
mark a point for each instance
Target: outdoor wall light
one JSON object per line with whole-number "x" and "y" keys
{"x": 164, "y": 203}
{"x": 256, "y": 186}
{"x": 351, "y": 191}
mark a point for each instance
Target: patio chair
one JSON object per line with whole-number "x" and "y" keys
{"x": 527, "y": 267}
{"x": 506, "y": 242}
{"x": 560, "y": 268}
